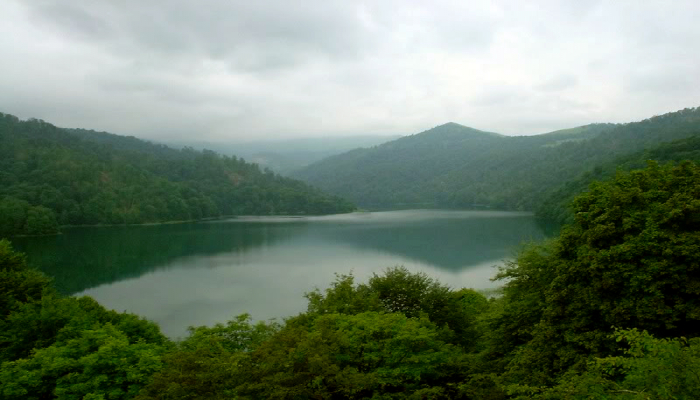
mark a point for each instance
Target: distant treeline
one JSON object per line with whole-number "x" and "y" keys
{"x": 51, "y": 176}
{"x": 609, "y": 309}
{"x": 453, "y": 166}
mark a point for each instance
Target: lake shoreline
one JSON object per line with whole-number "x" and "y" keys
{"x": 182, "y": 274}
{"x": 174, "y": 222}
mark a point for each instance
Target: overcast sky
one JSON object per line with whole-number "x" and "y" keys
{"x": 241, "y": 70}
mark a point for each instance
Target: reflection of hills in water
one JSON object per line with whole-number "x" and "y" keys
{"x": 447, "y": 243}
{"x": 83, "y": 258}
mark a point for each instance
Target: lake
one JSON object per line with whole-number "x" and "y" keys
{"x": 202, "y": 273}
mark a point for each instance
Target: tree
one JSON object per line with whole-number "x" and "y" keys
{"x": 630, "y": 260}
{"x": 18, "y": 283}
{"x": 354, "y": 356}
{"x": 648, "y": 368}
{"x": 65, "y": 347}
{"x": 101, "y": 363}
{"x": 210, "y": 362}
{"x": 13, "y": 216}
{"x": 40, "y": 221}
{"x": 398, "y": 290}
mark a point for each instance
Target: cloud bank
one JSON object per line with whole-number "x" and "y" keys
{"x": 226, "y": 70}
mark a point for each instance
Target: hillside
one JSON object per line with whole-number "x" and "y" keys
{"x": 557, "y": 205}
{"x": 454, "y": 166}
{"x": 51, "y": 176}
{"x": 285, "y": 156}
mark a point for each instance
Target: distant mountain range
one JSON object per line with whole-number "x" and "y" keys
{"x": 52, "y": 176}
{"x": 454, "y": 166}
{"x": 285, "y": 156}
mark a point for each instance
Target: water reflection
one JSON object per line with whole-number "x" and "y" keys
{"x": 193, "y": 274}
{"x": 86, "y": 257}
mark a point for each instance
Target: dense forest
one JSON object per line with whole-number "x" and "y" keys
{"x": 452, "y": 166}
{"x": 556, "y": 206}
{"x": 51, "y": 176}
{"x": 608, "y": 309}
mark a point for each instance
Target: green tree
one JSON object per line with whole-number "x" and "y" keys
{"x": 64, "y": 347}
{"x": 18, "y": 283}
{"x": 367, "y": 355}
{"x": 13, "y": 216}
{"x": 398, "y": 290}
{"x": 100, "y": 363}
{"x": 630, "y": 260}
{"x": 40, "y": 221}
{"x": 663, "y": 369}
{"x": 209, "y": 363}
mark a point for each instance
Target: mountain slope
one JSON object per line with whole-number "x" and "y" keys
{"x": 387, "y": 174}
{"x": 556, "y": 206}
{"x": 287, "y": 155}
{"x": 455, "y": 166}
{"x": 51, "y": 176}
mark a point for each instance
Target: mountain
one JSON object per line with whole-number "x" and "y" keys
{"x": 454, "y": 166}
{"x": 556, "y": 206}
{"x": 287, "y": 155}
{"x": 52, "y": 176}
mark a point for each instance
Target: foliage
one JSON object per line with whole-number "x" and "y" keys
{"x": 411, "y": 294}
{"x": 356, "y": 341}
{"x": 20, "y": 217}
{"x": 354, "y": 356}
{"x": 208, "y": 364}
{"x": 453, "y": 166}
{"x": 650, "y": 368}
{"x": 18, "y": 283}
{"x": 556, "y": 206}
{"x": 53, "y": 346}
{"x": 630, "y": 260}
{"x": 100, "y": 362}
{"x": 51, "y": 176}
{"x": 343, "y": 297}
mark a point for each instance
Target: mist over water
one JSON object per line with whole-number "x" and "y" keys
{"x": 203, "y": 273}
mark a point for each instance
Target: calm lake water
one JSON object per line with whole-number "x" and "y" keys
{"x": 202, "y": 273}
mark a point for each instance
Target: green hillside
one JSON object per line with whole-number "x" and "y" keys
{"x": 51, "y": 176}
{"x": 454, "y": 166}
{"x": 556, "y": 206}
{"x": 287, "y": 155}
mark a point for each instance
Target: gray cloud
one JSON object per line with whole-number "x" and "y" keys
{"x": 238, "y": 70}
{"x": 558, "y": 83}
{"x": 248, "y": 34}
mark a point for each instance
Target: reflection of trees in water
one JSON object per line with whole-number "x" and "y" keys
{"x": 83, "y": 258}
{"x": 87, "y": 257}
{"x": 445, "y": 243}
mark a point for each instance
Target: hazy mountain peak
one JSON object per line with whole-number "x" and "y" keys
{"x": 452, "y": 124}
{"x": 454, "y": 129}
{"x": 452, "y": 165}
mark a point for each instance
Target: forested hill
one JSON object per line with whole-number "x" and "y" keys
{"x": 51, "y": 176}
{"x": 456, "y": 166}
{"x": 557, "y": 206}
{"x": 287, "y": 155}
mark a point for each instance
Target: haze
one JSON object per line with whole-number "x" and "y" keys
{"x": 241, "y": 70}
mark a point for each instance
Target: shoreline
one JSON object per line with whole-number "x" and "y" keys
{"x": 174, "y": 222}
{"x": 225, "y": 217}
